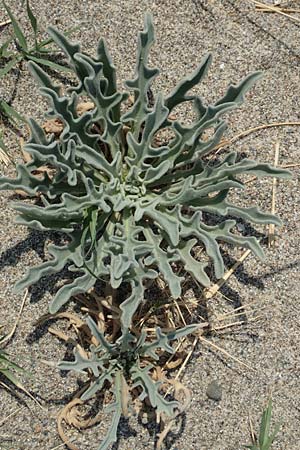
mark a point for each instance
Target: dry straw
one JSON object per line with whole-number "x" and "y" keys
{"x": 286, "y": 12}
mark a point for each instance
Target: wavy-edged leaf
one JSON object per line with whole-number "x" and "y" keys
{"x": 150, "y": 389}
{"x": 80, "y": 285}
{"x": 163, "y": 260}
{"x": 142, "y": 79}
{"x": 163, "y": 340}
{"x": 178, "y": 95}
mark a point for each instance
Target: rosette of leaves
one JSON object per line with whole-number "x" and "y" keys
{"x": 125, "y": 369}
{"x": 131, "y": 206}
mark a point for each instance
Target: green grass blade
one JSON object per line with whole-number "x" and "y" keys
{"x": 265, "y": 426}
{"x": 48, "y": 63}
{"x": 10, "y": 376}
{"x": 17, "y": 30}
{"x": 11, "y": 112}
{"x": 32, "y": 20}
{"x": 50, "y": 40}
{"x": 265, "y": 439}
{"x": 273, "y": 435}
{"x": 8, "y": 365}
{"x": 45, "y": 51}
{"x": 3, "y": 49}
{"x": 10, "y": 65}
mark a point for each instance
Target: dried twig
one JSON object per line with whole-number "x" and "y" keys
{"x": 271, "y": 233}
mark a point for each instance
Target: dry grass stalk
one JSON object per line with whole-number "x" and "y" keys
{"x": 252, "y": 433}
{"x": 20, "y": 386}
{"x": 4, "y": 158}
{"x": 289, "y": 166}
{"x": 235, "y": 324}
{"x": 237, "y": 312}
{"x": 10, "y": 415}
{"x": 6, "y": 22}
{"x": 271, "y": 233}
{"x": 245, "y": 133}
{"x": 12, "y": 332}
{"x": 275, "y": 9}
{"x": 216, "y": 347}
{"x": 286, "y": 10}
{"x": 200, "y": 337}
{"x": 212, "y": 290}
{"x": 250, "y": 180}
{"x": 188, "y": 357}
{"x": 233, "y": 315}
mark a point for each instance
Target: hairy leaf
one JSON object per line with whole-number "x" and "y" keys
{"x": 133, "y": 206}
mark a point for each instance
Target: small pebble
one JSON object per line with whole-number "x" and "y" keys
{"x": 214, "y": 391}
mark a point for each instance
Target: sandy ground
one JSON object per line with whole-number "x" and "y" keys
{"x": 241, "y": 40}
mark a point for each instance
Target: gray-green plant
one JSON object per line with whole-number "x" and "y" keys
{"x": 131, "y": 205}
{"x": 125, "y": 368}
{"x": 265, "y": 438}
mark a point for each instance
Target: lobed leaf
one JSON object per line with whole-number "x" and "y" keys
{"x": 131, "y": 204}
